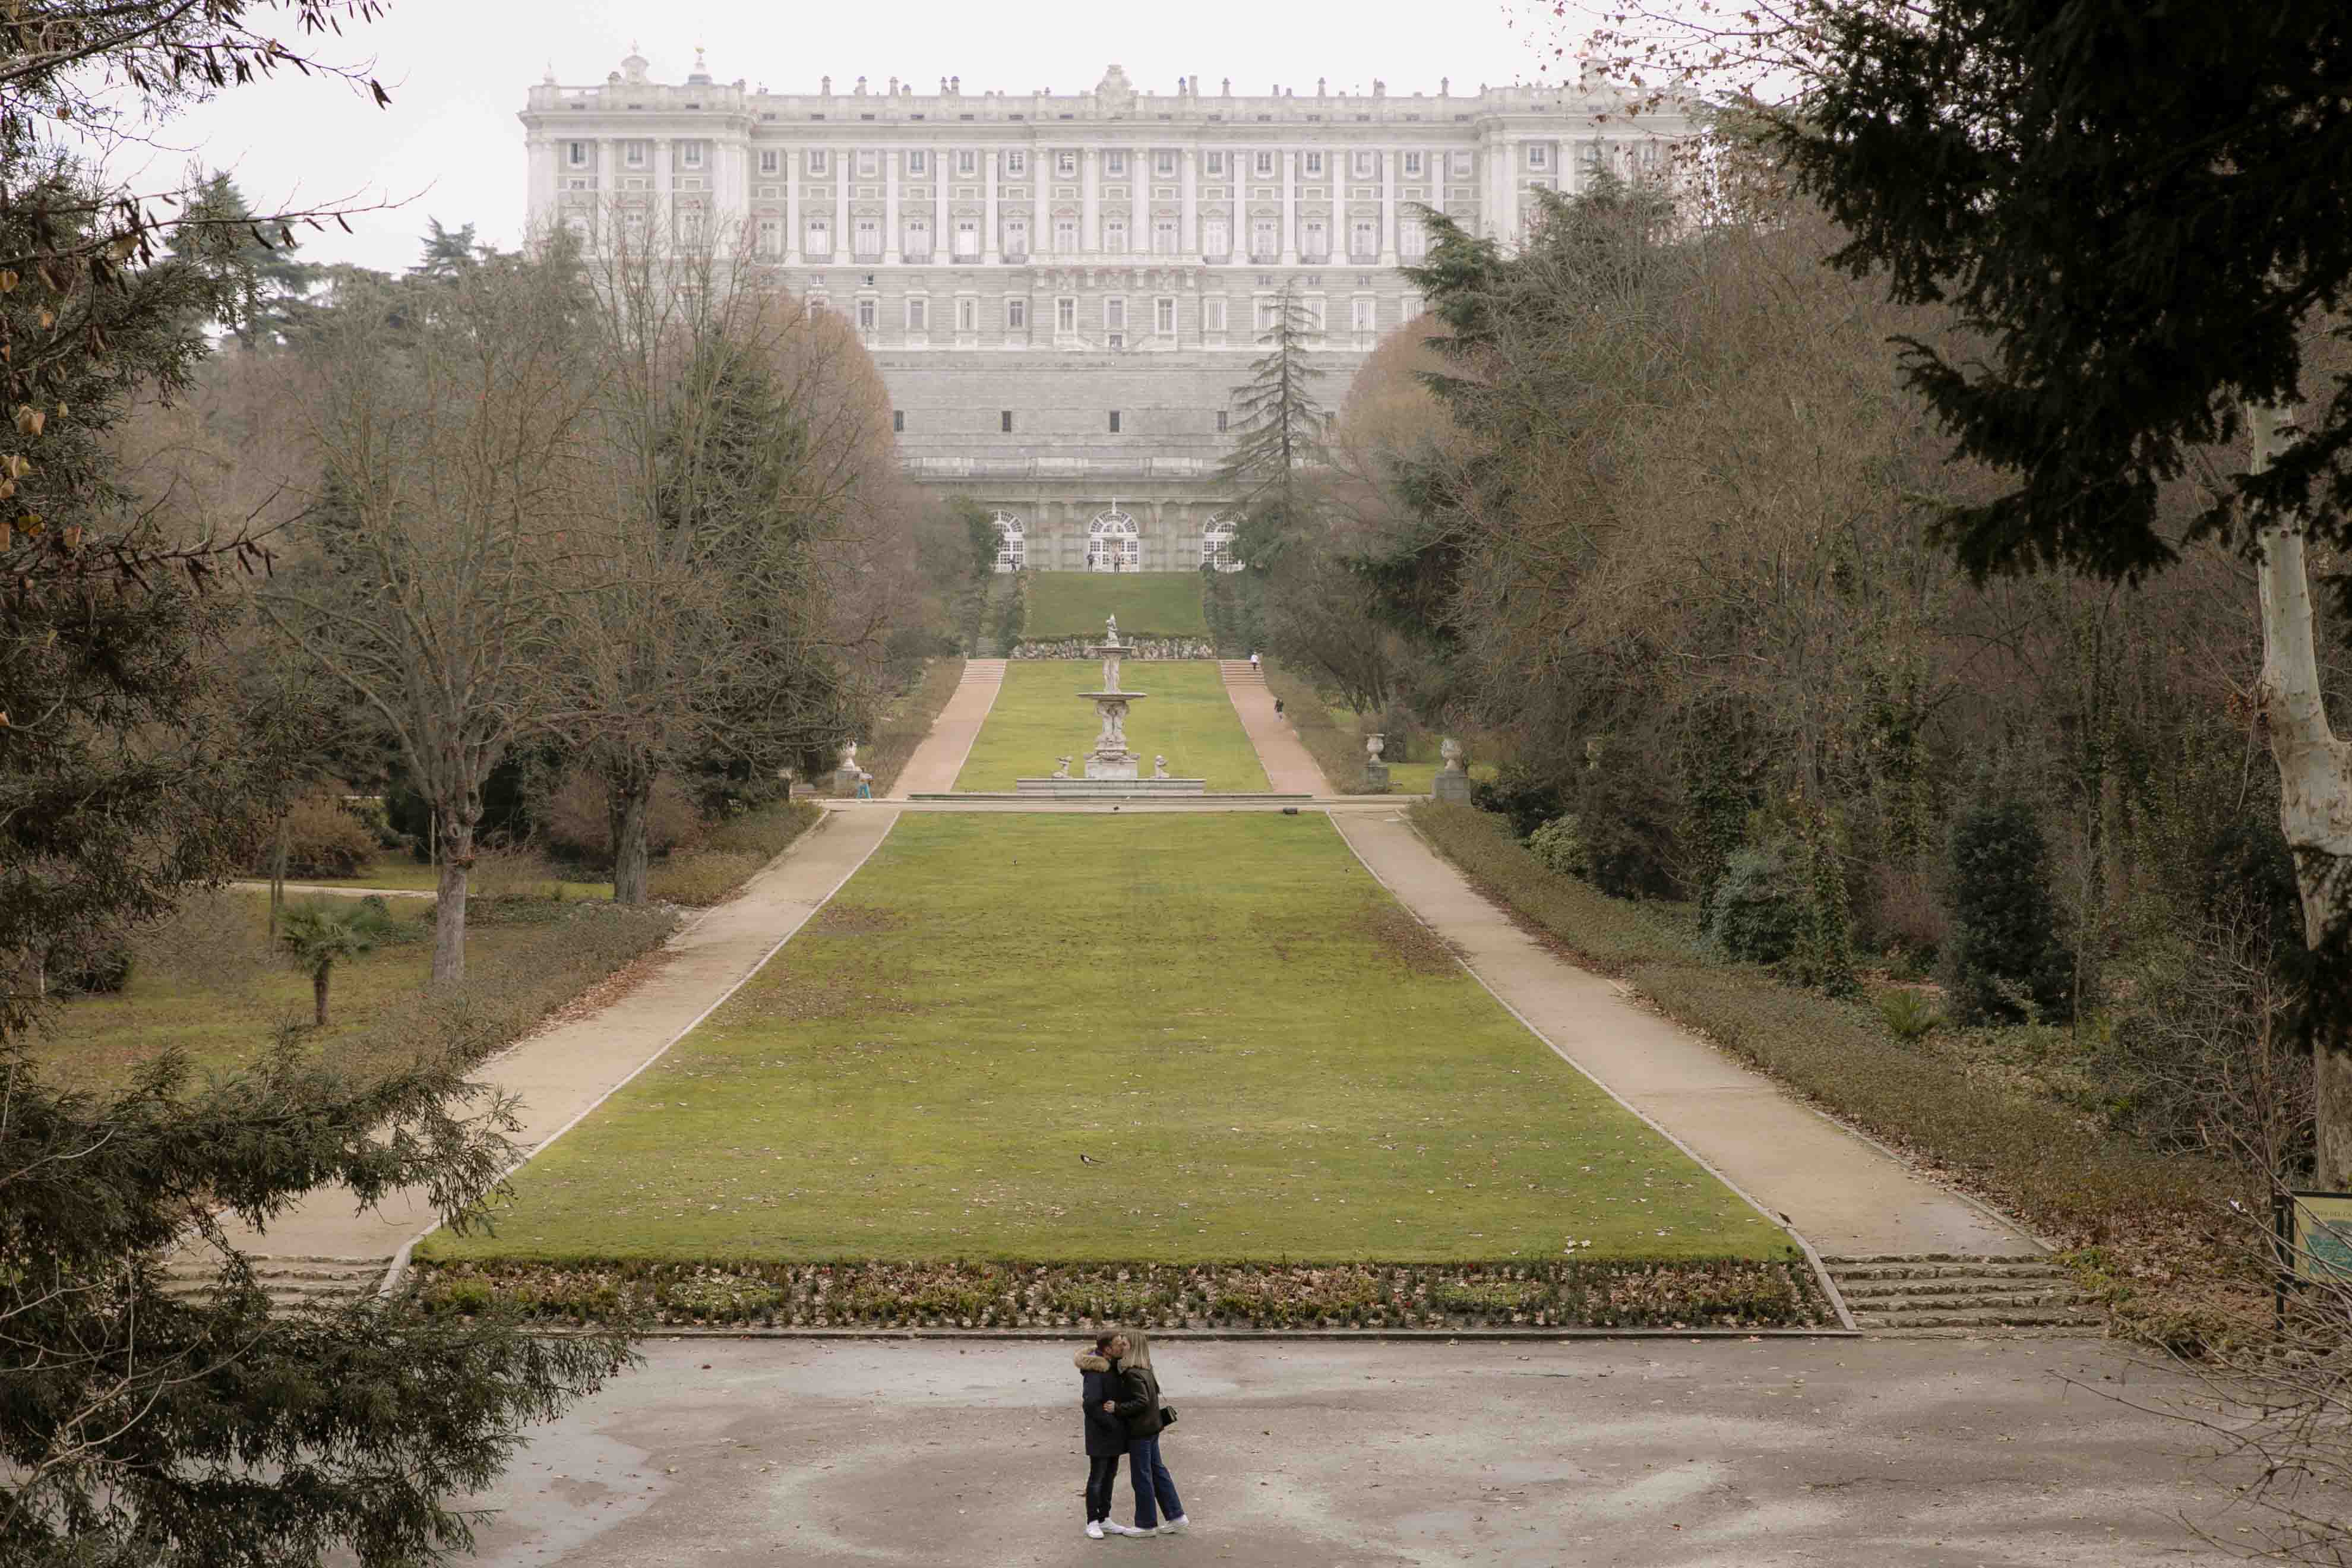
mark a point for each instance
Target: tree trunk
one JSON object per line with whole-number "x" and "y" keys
{"x": 633, "y": 804}
{"x": 457, "y": 846}
{"x": 277, "y": 880}
{"x": 319, "y": 994}
{"x": 2315, "y": 785}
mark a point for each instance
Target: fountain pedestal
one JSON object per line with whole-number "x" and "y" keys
{"x": 1111, "y": 768}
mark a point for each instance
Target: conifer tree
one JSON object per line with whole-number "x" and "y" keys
{"x": 1281, "y": 426}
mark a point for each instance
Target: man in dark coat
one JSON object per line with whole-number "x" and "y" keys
{"x": 1099, "y": 1393}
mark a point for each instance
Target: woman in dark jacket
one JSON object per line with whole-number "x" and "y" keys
{"x": 1139, "y": 1407}
{"x": 1098, "y": 1392}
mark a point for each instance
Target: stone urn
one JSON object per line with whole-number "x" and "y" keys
{"x": 1453, "y": 780}
{"x": 1376, "y": 771}
{"x": 1374, "y": 746}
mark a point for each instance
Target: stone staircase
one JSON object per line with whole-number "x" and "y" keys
{"x": 982, "y": 672}
{"x": 1240, "y": 672}
{"x": 1949, "y": 1292}
{"x": 291, "y": 1281}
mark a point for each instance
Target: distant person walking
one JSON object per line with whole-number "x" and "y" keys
{"x": 1253, "y": 664}
{"x": 1098, "y": 1391}
{"x": 1145, "y": 1418}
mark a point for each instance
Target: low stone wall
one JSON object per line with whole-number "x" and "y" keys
{"x": 1430, "y": 1296}
{"x": 1136, "y": 647}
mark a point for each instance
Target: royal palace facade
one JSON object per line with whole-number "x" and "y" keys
{"x": 1062, "y": 291}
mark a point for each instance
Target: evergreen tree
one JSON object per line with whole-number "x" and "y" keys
{"x": 447, "y": 252}
{"x": 2004, "y": 958}
{"x": 1280, "y": 427}
{"x": 267, "y": 287}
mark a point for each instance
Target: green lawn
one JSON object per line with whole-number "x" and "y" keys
{"x": 1147, "y": 604}
{"x": 1186, "y": 717}
{"x": 1264, "y": 1057}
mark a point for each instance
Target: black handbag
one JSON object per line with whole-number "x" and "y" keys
{"x": 1168, "y": 1415}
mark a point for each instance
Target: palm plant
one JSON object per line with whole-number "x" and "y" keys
{"x": 318, "y": 939}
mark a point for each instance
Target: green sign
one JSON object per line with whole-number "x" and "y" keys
{"x": 2316, "y": 1228}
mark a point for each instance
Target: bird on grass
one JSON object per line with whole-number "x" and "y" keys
{"x": 1088, "y": 1160}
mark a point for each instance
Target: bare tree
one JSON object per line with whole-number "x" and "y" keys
{"x": 450, "y": 433}
{"x": 733, "y": 445}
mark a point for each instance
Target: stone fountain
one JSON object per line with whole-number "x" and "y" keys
{"x": 1111, "y": 768}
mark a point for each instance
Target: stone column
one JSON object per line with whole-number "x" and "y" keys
{"x": 1089, "y": 199}
{"x": 1188, "y": 225}
{"x": 845, "y": 164}
{"x": 890, "y": 254}
{"x": 1289, "y": 156}
{"x": 1138, "y": 202}
{"x": 1388, "y": 157}
{"x": 791, "y": 207}
{"x": 942, "y": 242}
{"x": 991, "y": 250}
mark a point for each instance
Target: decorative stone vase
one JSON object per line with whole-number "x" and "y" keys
{"x": 1452, "y": 781}
{"x": 1374, "y": 746}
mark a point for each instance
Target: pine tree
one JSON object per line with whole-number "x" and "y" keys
{"x": 1281, "y": 429}
{"x": 268, "y": 288}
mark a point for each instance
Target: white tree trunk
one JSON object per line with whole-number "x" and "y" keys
{"x": 2314, "y": 779}
{"x": 449, "y": 905}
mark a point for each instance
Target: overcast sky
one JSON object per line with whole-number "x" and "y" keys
{"x": 450, "y": 147}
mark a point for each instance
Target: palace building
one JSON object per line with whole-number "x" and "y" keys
{"x": 1062, "y": 291}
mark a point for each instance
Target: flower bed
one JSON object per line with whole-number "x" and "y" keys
{"x": 1569, "y": 1293}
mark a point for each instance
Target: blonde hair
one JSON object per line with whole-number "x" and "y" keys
{"x": 1138, "y": 1348}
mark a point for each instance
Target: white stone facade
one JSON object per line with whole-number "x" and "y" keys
{"x": 1062, "y": 291}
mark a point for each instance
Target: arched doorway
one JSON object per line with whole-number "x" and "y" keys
{"x": 1012, "y": 542}
{"x": 1217, "y": 542}
{"x": 1113, "y": 544}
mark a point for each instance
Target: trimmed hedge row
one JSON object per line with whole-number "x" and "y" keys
{"x": 1571, "y": 1293}
{"x": 1339, "y": 755}
{"x": 2154, "y": 1246}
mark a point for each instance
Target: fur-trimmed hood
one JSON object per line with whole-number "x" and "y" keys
{"x": 1088, "y": 1360}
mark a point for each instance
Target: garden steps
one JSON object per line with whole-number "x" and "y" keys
{"x": 1948, "y": 1291}
{"x": 982, "y": 672}
{"x": 288, "y": 1282}
{"x": 1241, "y": 672}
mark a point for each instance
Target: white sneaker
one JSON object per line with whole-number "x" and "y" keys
{"x": 1179, "y": 1523}
{"x": 1094, "y": 1530}
{"x": 1117, "y": 1529}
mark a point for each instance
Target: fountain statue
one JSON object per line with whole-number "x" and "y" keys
{"x": 1110, "y": 759}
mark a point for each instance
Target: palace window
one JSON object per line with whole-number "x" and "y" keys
{"x": 1223, "y": 418}
{"x": 1264, "y": 239}
{"x": 1112, "y": 544}
{"x": 817, "y": 162}
{"x": 918, "y": 162}
{"x": 693, "y": 150}
{"x": 820, "y": 237}
{"x": 1165, "y": 162}
{"x": 1217, "y": 541}
{"x": 966, "y": 315}
{"x": 1216, "y": 237}
{"x": 1163, "y": 316}
{"x": 770, "y": 159}
{"x": 633, "y": 154}
{"x": 865, "y": 313}
{"x": 1016, "y": 237}
{"x": 1016, "y": 315}
{"x": 967, "y": 239}
{"x": 869, "y": 237}
{"x": 1269, "y": 314}
{"x": 967, "y": 162}
{"x": 1115, "y": 235}
{"x": 918, "y": 240}
{"x": 771, "y": 236}
{"x": 1314, "y": 165}
{"x": 1314, "y": 243}
{"x": 1408, "y": 306}
{"x": 1066, "y": 314}
{"x": 918, "y": 314}
{"x": 1412, "y": 238}
{"x": 1367, "y": 165}
{"x": 1114, "y": 421}
{"x": 1212, "y": 316}
{"x": 1066, "y": 234}
{"x": 1413, "y": 165}
{"x": 1266, "y": 165}
{"x": 1364, "y": 239}
{"x": 1538, "y": 155}
{"x": 869, "y": 163}
{"x": 1362, "y": 319}
{"x": 1461, "y": 163}
{"x": 898, "y": 421}
{"x": 1217, "y": 164}
{"x": 1011, "y": 538}
{"x": 577, "y": 153}
{"x": 1115, "y": 329}
{"x": 1314, "y": 304}
{"x": 1004, "y": 421}
{"x": 1163, "y": 237}
{"x": 1114, "y": 162}
{"x": 1017, "y": 163}
{"x": 1066, "y": 163}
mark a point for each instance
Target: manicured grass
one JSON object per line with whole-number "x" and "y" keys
{"x": 1147, "y": 604}
{"x": 1265, "y": 1056}
{"x": 1186, "y": 716}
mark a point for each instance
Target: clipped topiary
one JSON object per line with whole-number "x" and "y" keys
{"x": 2005, "y": 963}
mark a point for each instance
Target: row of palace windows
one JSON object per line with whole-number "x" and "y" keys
{"x": 1004, "y": 421}
{"x": 867, "y": 163}
{"x": 1363, "y": 314}
{"x": 1114, "y": 543}
{"x": 1315, "y": 237}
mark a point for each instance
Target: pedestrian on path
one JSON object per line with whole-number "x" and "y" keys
{"x": 1105, "y": 1436}
{"x": 1253, "y": 658}
{"x": 1146, "y": 1418}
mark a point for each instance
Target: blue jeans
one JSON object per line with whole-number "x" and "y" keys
{"x": 1152, "y": 1480}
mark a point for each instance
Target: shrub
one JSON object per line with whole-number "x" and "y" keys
{"x": 1758, "y": 912}
{"x": 1628, "y": 809}
{"x": 1909, "y": 1015}
{"x": 2005, "y": 961}
{"x": 102, "y": 974}
{"x": 1560, "y": 845}
{"x": 731, "y": 853}
{"x": 322, "y": 839}
{"x": 1520, "y": 798}
{"x": 1901, "y": 914}
{"x": 1610, "y": 933}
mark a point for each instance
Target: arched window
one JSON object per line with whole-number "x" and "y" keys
{"x": 1012, "y": 542}
{"x": 1112, "y": 543}
{"x": 1217, "y": 542}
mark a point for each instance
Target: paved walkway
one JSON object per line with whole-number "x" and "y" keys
{"x": 1843, "y": 1194}
{"x": 933, "y": 769}
{"x": 1289, "y": 770}
{"x": 560, "y": 1073}
{"x": 1594, "y": 1455}
{"x": 349, "y": 890}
